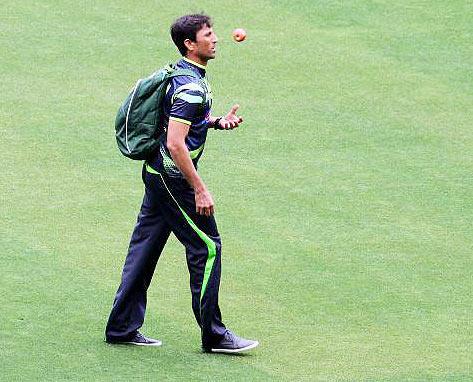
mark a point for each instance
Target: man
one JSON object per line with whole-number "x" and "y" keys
{"x": 177, "y": 200}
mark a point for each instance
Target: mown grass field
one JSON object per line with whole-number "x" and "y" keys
{"x": 345, "y": 201}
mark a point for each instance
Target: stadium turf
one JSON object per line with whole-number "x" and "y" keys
{"x": 344, "y": 201}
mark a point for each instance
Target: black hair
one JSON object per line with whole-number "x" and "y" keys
{"x": 186, "y": 27}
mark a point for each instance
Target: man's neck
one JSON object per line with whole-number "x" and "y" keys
{"x": 196, "y": 61}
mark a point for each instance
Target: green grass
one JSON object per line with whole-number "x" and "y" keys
{"x": 344, "y": 201}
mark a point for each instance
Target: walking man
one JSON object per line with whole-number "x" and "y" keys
{"x": 177, "y": 200}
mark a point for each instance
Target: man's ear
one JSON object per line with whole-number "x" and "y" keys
{"x": 189, "y": 44}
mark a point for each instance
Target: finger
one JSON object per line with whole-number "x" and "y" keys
{"x": 234, "y": 109}
{"x": 240, "y": 119}
{"x": 212, "y": 210}
{"x": 235, "y": 121}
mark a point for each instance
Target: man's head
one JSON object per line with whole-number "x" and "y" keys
{"x": 194, "y": 37}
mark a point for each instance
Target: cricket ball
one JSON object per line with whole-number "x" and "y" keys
{"x": 239, "y": 34}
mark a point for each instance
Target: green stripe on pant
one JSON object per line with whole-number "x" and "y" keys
{"x": 212, "y": 250}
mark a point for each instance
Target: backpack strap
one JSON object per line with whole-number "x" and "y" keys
{"x": 183, "y": 72}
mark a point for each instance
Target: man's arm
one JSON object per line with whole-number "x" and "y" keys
{"x": 176, "y": 135}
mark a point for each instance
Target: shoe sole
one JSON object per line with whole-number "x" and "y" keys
{"x": 135, "y": 343}
{"x": 142, "y": 344}
{"x": 233, "y": 351}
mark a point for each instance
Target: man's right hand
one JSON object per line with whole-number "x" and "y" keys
{"x": 176, "y": 135}
{"x": 204, "y": 202}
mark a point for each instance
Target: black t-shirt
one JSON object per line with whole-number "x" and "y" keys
{"x": 188, "y": 100}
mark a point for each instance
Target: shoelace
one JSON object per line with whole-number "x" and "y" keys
{"x": 140, "y": 336}
{"x": 229, "y": 336}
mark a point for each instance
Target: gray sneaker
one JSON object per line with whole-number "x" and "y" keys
{"x": 138, "y": 339}
{"x": 231, "y": 343}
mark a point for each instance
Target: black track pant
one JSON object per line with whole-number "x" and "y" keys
{"x": 169, "y": 206}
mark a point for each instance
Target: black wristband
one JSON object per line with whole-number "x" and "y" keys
{"x": 217, "y": 123}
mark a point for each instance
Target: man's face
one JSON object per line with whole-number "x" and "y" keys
{"x": 205, "y": 43}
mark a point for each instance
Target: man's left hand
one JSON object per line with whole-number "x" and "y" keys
{"x": 231, "y": 120}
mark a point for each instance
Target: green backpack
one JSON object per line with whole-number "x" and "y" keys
{"x": 137, "y": 127}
